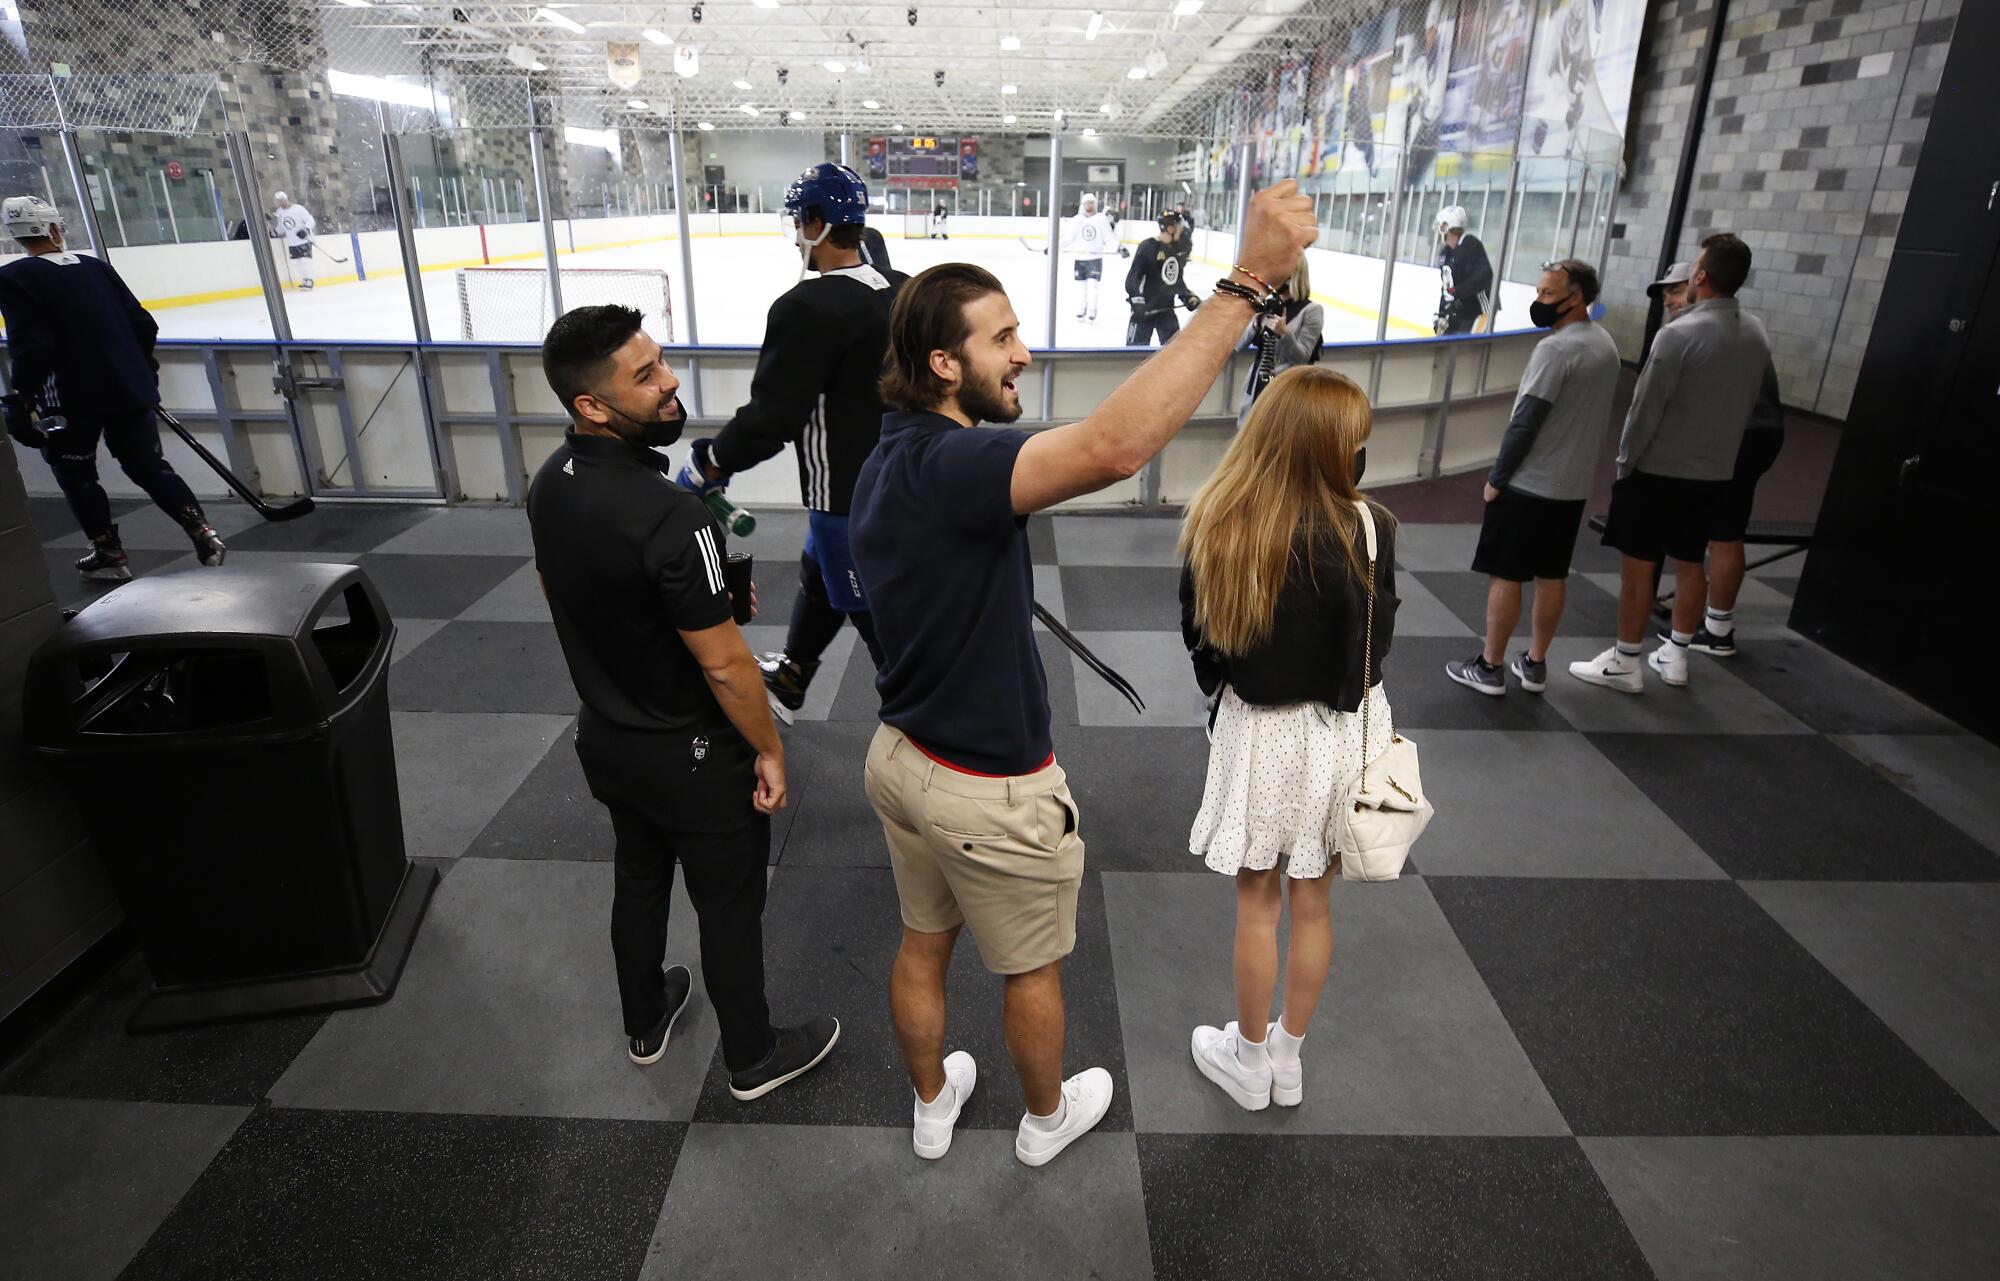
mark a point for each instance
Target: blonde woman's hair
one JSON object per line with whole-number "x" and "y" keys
{"x": 1289, "y": 472}
{"x": 1301, "y": 281}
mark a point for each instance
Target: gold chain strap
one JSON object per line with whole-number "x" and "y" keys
{"x": 1367, "y": 657}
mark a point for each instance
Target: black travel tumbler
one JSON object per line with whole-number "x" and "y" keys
{"x": 736, "y": 575}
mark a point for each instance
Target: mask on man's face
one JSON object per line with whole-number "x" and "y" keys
{"x": 1544, "y": 315}
{"x": 657, "y": 434}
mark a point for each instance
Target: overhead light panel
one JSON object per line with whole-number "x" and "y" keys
{"x": 1186, "y": 8}
{"x": 836, "y": 66}
{"x": 765, "y": 4}
{"x": 1089, "y": 132}
{"x": 522, "y": 56}
{"x": 638, "y": 104}
{"x": 357, "y": 4}
{"x": 1090, "y": 30}
{"x": 795, "y": 115}
{"x": 1136, "y": 73}
{"x": 1106, "y": 108}
{"x": 603, "y": 139}
{"x": 705, "y": 126}
{"x": 1010, "y": 88}
{"x": 657, "y": 37}
{"x": 1007, "y": 120}
{"x": 748, "y": 110}
{"x": 741, "y": 84}
{"x": 348, "y": 85}
{"x": 871, "y": 104}
{"x": 555, "y": 19}
{"x": 1008, "y": 44}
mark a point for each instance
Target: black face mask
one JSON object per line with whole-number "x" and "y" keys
{"x": 653, "y": 435}
{"x": 1360, "y": 463}
{"x": 1544, "y": 315}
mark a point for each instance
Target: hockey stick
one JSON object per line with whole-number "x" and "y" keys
{"x": 290, "y": 511}
{"x": 1092, "y": 661}
{"x": 328, "y": 253}
{"x": 1030, "y": 247}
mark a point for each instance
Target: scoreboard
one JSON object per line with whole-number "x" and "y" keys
{"x": 923, "y": 161}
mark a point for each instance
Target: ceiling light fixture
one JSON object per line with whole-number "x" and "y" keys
{"x": 871, "y": 104}
{"x": 638, "y": 104}
{"x": 1105, "y": 108}
{"x": 705, "y": 126}
{"x": 748, "y": 110}
{"x": 1009, "y": 44}
{"x": 657, "y": 37}
{"x": 1090, "y": 30}
{"x": 1089, "y": 132}
{"x": 555, "y": 19}
{"x": 356, "y": 4}
{"x": 765, "y": 4}
{"x": 1136, "y": 73}
{"x": 836, "y": 66}
{"x": 1010, "y": 88}
{"x": 1186, "y": 8}
{"x": 741, "y": 84}
{"x": 1007, "y": 120}
{"x": 795, "y": 115}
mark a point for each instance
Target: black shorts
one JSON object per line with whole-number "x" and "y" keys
{"x": 1655, "y": 517}
{"x": 1524, "y": 537}
{"x": 299, "y": 251}
{"x": 1732, "y": 511}
{"x": 1090, "y": 269}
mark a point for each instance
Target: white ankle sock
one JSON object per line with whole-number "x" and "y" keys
{"x": 940, "y": 1107}
{"x": 1053, "y": 1121}
{"x": 1284, "y": 1046}
{"x": 1720, "y": 622}
{"x": 1632, "y": 649}
{"x": 1251, "y": 1055}
{"x": 1680, "y": 638}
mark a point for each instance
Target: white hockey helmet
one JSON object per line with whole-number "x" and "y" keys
{"x": 280, "y": 198}
{"x": 30, "y": 217}
{"x": 1451, "y": 218}
{"x": 1089, "y": 201}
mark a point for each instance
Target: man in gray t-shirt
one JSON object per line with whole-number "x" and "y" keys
{"x": 1542, "y": 477}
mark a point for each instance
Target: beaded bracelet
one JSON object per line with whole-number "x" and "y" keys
{"x": 1227, "y": 286}
{"x": 1262, "y": 283}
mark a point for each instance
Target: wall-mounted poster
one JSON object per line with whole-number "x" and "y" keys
{"x": 1489, "y": 65}
{"x": 1580, "y": 78}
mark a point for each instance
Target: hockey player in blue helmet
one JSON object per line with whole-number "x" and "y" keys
{"x": 815, "y": 389}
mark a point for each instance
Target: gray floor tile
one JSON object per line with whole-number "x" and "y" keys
{"x": 1116, "y": 540}
{"x": 845, "y": 651}
{"x": 841, "y": 1202}
{"x": 832, "y": 824}
{"x": 508, "y": 1005}
{"x": 75, "y": 592}
{"x": 778, "y": 539}
{"x": 1423, "y": 548}
{"x": 517, "y": 598}
{"x": 551, "y": 815}
{"x": 1125, "y": 598}
{"x": 486, "y": 667}
{"x": 1137, "y": 791}
{"x": 1497, "y": 792}
{"x": 454, "y": 770}
{"x": 1681, "y": 1008}
{"x": 435, "y": 586}
{"x": 1923, "y": 959}
{"x": 1156, "y": 664}
{"x": 84, "y": 1183}
{"x": 55, "y": 523}
{"x": 1827, "y": 692}
{"x": 858, "y": 701}
{"x": 336, "y": 527}
{"x": 1406, "y": 1040}
{"x": 467, "y": 531}
{"x": 1956, "y": 775}
{"x": 412, "y": 632}
{"x": 150, "y": 529}
{"x": 328, "y": 1196}
{"x": 1794, "y": 807}
{"x": 1423, "y": 698}
{"x": 1049, "y": 593}
{"x": 1587, "y": 609}
{"x": 1806, "y": 1209}
{"x": 1419, "y": 612}
{"x": 1042, "y": 538}
{"x": 830, "y": 938}
{"x": 1379, "y": 1207}
{"x": 1714, "y": 701}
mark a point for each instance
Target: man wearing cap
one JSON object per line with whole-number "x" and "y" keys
{"x": 1671, "y": 290}
{"x": 1466, "y": 274}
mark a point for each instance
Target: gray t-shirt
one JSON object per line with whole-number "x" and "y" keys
{"x": 1575, "y": 369}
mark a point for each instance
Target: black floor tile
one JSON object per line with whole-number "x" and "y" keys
{"x": 485, "y": 667}
{"x": 73, "y": 591}
{"x": 1588, "y": 610}
{"x": 88, "y": 1054}
{"x": 830, "y": 823}
{"x": 1042, "y": 539}
{"x": 331, "y": 528}
{"x": 1424, "y": 698}
{"x": 1121, "y": 598}
{"x": 1374, "y": 1206}
{"x": 858, "y": 701}
{"x": 310, "y": 1194}
{"x": 435, "y": 586}
{"x": 1787, "y": 585}
{"x": 551, "y": 815}
{"x": 52, "y": 518}
{"x": 1826, "y": 693}
{"x": 1794, "y": 808}
{"x": 1591, "y": 555}
{"x": 830, "y": 936}
{"x": 1137, "y": 791}
{"x": 1681, "y": 1008}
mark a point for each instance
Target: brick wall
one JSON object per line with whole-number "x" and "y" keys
{"x": 1814, "y": 125}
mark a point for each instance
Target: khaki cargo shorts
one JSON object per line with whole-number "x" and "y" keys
{"x": 1000, "y": 855}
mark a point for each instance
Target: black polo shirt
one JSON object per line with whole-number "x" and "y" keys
{"x": 629, "y": 560}
{"x": 951, "y": 586}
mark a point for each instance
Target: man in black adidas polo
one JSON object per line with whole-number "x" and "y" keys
{"x": 675, "y": 735}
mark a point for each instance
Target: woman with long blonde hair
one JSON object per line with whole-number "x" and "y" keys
{"x": 1274, "y": 603}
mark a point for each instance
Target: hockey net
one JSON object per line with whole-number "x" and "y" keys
{"x": 917, "y": 223}
{"x": 512, "y": 304}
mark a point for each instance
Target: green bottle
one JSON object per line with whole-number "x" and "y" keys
{"x": 738, "y": 523}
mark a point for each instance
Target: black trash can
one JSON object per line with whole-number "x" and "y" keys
{"x": 225, "y": 733}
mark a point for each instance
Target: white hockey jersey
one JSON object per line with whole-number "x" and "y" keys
{"x": 1090, "y": 236}
{"x": 294, "y": 222}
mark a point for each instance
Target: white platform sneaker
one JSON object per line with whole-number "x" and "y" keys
{"x": 1215, "y": 1056}
{"x": 1086, "y": 1098}
{"x": 931, "y": 1136}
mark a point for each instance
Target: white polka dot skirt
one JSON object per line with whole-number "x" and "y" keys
{"x": 1273, "y": 775}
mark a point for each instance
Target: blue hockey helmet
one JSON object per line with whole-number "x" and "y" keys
{"x": 835, "y": 191}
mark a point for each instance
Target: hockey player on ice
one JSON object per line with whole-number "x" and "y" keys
{"x": 1090, "y": 237}
{"x": 1158, "y": 278}
{"x": 815, "y": 388}
{"x": 1465, "y": 274}
{"x": 294, "y": 226}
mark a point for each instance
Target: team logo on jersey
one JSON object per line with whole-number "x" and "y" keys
{"x": 1089, "y": 232}
{"x": 1170, "y": 271}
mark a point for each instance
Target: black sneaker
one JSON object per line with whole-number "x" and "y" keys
{"x": 648, "y": 1048}
{"x": 1477, "y": 673}
{"x": 106, "y": 561}
{"x": 786, "y": 682}
{"x": 1707, "y": 642}
{"x": 798, "y": 1051}
{"x": 1534, "y": 676}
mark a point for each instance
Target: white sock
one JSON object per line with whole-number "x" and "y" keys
{"x": 1632, "y": 650}
{"x": 940, "y": 1107}
{"x": 1052, "y": 1122}
{"x": 1251, "y": 1055}
{"x": 1720, "y": 622}
{"x": 1284, "y": 1046}
{"x": 1680, "y": 638}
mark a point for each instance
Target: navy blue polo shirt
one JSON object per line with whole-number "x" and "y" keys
{"x": 951, "y": 585}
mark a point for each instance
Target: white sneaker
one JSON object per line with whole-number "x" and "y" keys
{"x": 1671, "y": 662}
{"x": 1215, "y": 1055}
{"x": 1612, "y": 670}
{"x": 932, "y": 1138}
{"x": 1086, "y": 1096}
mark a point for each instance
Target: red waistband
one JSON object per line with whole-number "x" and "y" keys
{"x": 973, "y": 773}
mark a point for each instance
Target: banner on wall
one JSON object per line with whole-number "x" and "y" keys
{"x": 968, "y": 160}
{"x": 1489, "y": 65}
{"x": 1579, "y": 89}
{"x": 878, "y": 159}
{"x": 621, "y": 64}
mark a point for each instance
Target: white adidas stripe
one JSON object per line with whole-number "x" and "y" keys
{"x": 710, "y": 562}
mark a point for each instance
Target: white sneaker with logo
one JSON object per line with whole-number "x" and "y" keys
{"x": 1215, "y": 1055}
{"x": 1671, "y": 662}
{"x": 931, "y": 1136}
{"x": 1086, "y": 1098}
{"x": 1612, "y": 670}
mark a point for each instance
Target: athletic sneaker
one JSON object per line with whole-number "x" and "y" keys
{"x": 1707, "y": 642}
{"x": 1086, "y": 1098}
{"x": 931, "y": 1137}
{"x": 786, "y": 681}
{"x": 107, "y": 561}
{"x": 797, "y": 1051}
{"x": 1612, "y": 670}
{"x": 1476, "y": 673}
{"x": 648, "y": 1048}
{"x": 1288, "y": 1083}
{"x": 1534, "y": 676}
{"x": 1215, "y": 1056}
{"x": 1671, "y": 662}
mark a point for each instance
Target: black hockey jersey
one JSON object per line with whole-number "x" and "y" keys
{"x": 1159, "y": 274}
{"x": 816, "y": 384}
{"x": 1467, "y": 276}
{"x": 78, "y": 338}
